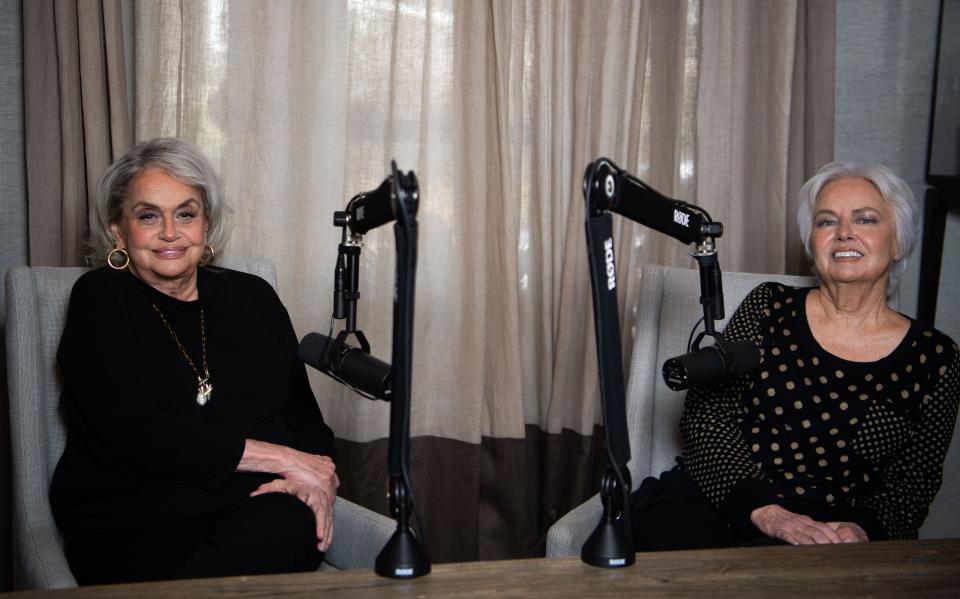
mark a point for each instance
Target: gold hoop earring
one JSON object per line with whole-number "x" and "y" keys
{"x": 208, "y": 255}
{"x": 112, "y": 259}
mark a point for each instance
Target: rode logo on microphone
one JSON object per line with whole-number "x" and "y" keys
{"x": 681, "y": 218}
{"x": 611, "y": 269}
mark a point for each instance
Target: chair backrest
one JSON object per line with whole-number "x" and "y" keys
{"x": 668, "y": 308}
{"x": 36, "y": 303}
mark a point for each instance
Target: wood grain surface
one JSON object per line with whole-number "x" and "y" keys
{"x": 901, "y": 568}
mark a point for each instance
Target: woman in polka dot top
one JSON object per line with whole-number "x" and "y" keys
{"x": 841, "y": 433}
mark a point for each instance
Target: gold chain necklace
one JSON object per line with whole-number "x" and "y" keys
{"x": 204, "y": 388}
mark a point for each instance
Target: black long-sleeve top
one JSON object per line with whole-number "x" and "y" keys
{"x": 139, "y": 447}
{"x": 833, "y": 439}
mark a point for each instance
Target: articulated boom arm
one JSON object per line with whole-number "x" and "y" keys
{"x": 607, "y": 187}
{"x": 396, "y": 199}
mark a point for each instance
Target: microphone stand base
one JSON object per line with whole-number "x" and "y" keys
{"x": 402, "y": 557}
{"x": 609, "y": 546}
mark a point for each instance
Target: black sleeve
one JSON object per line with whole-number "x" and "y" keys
{"x": 715, "y": 452}
{"x": 302, "y": 412}
{"x": 911, "y": 480}
{"x": 104, "y": 373}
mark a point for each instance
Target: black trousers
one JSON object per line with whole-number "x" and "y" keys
{"x": 267, "y": 534}
{"x": 671, "y": 513}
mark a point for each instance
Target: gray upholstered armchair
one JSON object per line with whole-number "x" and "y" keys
{"x": 36, "y": 303}
{"x": 669, "y": 305}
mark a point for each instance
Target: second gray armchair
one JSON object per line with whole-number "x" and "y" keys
{"x": 669, "y": 307}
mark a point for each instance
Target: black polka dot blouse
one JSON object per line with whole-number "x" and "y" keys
{"x": 844, "y": 441}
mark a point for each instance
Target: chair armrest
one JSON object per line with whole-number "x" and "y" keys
{"x": 42, "y": 564}
{"x": 358, "y": 536}
{"x": 568, "y": 534}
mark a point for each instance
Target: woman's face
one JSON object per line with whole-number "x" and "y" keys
{"x": 854, "y": 236}
{"x": 162, "y": 227}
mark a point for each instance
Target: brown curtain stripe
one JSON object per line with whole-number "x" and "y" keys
{"x": 492, "y": 500}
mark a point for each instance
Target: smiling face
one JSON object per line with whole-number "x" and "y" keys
{"x": 163, "y": 228}
{"x": 854, "y": 237}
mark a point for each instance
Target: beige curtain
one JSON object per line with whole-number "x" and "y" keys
{"x": 76, "y": 118}
{"x": 765, "y": 123}
{"x": 498, "y": 106}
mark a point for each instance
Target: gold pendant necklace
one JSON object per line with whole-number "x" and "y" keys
{"x": 204, "y": 387}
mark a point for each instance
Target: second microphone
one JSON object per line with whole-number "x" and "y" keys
{"x": 348, "y": 364}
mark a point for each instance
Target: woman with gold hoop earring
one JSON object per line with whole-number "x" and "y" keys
{"x": 208, "y": 255}
{"x": 197, "y": 448}
{"x": 115, "y": 254}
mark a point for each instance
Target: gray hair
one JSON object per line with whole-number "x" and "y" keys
{"x": 178, "y": 158}
{"x": 892, "y": 189}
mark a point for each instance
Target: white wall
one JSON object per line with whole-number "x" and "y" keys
{"x": 13, "y": 244}
{"x": 13, "y": 241}
{"x": 886, "y": 55}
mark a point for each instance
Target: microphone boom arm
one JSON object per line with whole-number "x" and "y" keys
{"x": 607, "y": 188}
{"x": 396, "y": 199}
{"x": 616, "y": 190}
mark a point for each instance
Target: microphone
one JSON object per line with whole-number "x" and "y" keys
{"x": 711, "y": 364}
{"x": 348, "y": 364}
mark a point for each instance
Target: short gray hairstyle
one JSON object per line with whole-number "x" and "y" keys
{"x": 892, "y": 189}
{"x": 178, "y": 158}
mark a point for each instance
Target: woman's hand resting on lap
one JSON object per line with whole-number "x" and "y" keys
{"x": 311, "y": 478}
{"x": 797, "y": 529}
{"x": 316, "y": 499}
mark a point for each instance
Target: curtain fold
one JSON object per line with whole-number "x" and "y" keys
{"x": 812, "y": 117}
{"x": 76, "y": 119}
{"x": 765, "y": 123}
{"x": 498, "y": 105}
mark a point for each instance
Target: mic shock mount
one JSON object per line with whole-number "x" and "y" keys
{"x": 346, "y": 277}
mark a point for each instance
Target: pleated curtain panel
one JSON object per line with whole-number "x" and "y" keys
{"x": 498, "y": 106}
{"x": 76, "y": 118}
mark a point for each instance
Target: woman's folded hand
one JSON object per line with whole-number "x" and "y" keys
{"x": 291, "y": 464}
{"x": 311, "y": 478}
{"x": 797, "y": 529}
{"x": 310, "y": 469}
{"x": 850, "y": 532}
{"x": 318, "y": 500}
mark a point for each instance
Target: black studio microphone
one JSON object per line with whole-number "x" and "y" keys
{"x": 711, "y": 364}
{"x": 348, "y": 364}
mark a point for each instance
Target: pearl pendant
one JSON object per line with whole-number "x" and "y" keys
{"x": 204, "y": 391}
